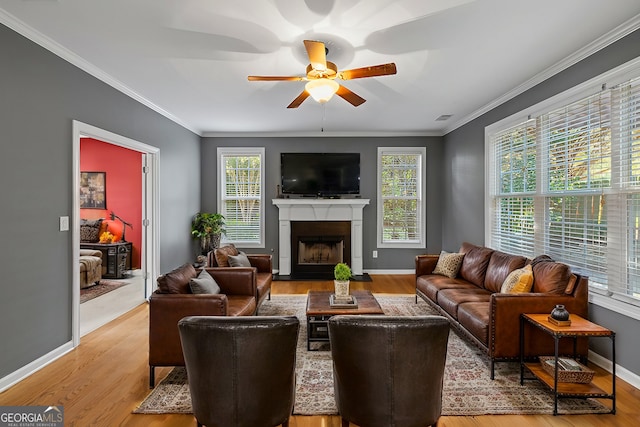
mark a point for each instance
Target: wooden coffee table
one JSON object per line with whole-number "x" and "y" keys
{"x": 319, "y": 311}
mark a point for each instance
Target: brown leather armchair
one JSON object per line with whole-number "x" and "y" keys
{"x": 236, "y": 298}
{"x": 262, "y": 263}
{"x": 388, "y": 370}
{"x": 241, "y": 370}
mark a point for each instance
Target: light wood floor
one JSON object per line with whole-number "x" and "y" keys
{"x": 106, "y": 377}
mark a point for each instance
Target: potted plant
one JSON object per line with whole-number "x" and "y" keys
{"x": 209, "y": 228}
{"x": 342, "y": 275}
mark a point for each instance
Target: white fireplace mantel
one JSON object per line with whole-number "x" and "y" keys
{"x": 319, "y": 210}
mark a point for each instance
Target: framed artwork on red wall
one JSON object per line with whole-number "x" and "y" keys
{"x": 93, "y": 190}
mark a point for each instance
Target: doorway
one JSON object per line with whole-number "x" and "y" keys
{"x": 147, "y": 241}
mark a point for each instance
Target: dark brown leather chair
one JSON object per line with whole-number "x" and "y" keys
{"x": 241, "y": 370}
{"x": 388, "y": 370}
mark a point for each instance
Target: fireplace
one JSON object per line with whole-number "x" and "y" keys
{"x": 317, "y": 246}
{"x": 348, "y": 211}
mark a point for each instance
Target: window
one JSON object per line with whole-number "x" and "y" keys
{"x": 514, "y": 189}
{"x": 567, "y": 183}
{"x": 401, "y": 210}
{"x": 575, "y": 171}
{"x": 241, "y": 195}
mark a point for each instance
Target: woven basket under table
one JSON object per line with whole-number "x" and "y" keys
{"x": 583, "y": 376}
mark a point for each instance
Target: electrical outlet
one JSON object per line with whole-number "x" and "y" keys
{"x": 375, "y": 254}
{"x": 64, "y": 223}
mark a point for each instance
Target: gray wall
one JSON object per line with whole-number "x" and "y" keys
{"x": 367, "y": 147}
{"x": 40, "y": 95}
{"x": 463, "y": 204}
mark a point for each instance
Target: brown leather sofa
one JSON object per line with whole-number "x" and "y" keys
{"x": 241, "y": 370}
{"x": 474, "y": 305}
{"x": 173, "y": 300}
{"x": 261, "y": 262}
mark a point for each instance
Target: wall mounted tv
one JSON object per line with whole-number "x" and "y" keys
{"x": 320, "y": 174}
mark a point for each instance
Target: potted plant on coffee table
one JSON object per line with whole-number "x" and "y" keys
{"x": 209, "y": 228}
{"x": 342, "y": 275}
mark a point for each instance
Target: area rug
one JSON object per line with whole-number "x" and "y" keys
{"x": 467, "y": 389}
{"x": 105, "y": 286}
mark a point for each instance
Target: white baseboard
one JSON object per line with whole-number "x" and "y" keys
{"x": 407, "y": 271}
{"x": 621, "y": 372}
{"x": 34, "y": 366}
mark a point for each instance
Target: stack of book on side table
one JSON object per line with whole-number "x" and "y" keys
{"x": 559, "y": 322}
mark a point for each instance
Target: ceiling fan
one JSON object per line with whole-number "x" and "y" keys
{"x": 321, "y": 76}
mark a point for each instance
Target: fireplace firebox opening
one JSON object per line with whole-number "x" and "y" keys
{"x": 320, "y": 250}
{"x": 317, "y": 246}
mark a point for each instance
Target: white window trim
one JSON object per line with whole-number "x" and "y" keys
{"x": 610, "y": 78}
{"x": 422, "y": 151}
{"x": 247, "y": 151}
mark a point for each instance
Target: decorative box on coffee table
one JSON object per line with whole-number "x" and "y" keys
{"x": 319, "y": 311}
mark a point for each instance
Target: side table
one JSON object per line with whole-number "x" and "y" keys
{"x": 116, "y": 258}
{"x": 579, "y": 327}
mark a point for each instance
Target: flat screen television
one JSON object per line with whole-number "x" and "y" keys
{"x": 320, "y": 174}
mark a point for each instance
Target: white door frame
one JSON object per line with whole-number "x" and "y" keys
{"x": 150, "y": 211}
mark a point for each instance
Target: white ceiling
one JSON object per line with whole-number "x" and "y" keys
{"x": 190, "y": 59}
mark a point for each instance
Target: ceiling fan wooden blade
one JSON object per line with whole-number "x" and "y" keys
{"x": 350, "y": 97}
{"x": 296, "y": 102}
{"x": 317, "y": 54}
{"x": 275, "y": 78}
{"x": 373, "y": 71}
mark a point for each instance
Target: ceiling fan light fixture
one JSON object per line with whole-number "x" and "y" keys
{"x": 322, "y": 89}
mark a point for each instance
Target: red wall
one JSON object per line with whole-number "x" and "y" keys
{"x": 123, "y": 187}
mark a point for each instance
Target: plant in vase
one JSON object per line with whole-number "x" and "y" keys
{"x": 342, "y": 275}
{"x": 209, "y": 228}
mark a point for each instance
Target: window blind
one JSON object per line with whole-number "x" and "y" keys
{"x": 578, "y": 141}
{"x": 513, "y": 171}
{"x": 576, "y": 164}
{"x": 513, "y": 225}
{"x": 626, "y": 125}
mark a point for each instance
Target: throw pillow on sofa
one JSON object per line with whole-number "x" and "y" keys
{"x": 518, "y": 281}
{"x": 448, "y": 264}
{"x": 204, "y": 284}
{"x": 90, "y": 230}
{"x": 177, "y": 281}
{"x": 222, "y": 254}
{"x": 551, "y": 277}
{"x": 239, "y": 260}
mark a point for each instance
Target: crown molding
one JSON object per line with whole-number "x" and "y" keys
{"x": 353, "y": 134}
{"x": 609, "y": 38}
{"x": 54, "y": 47}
